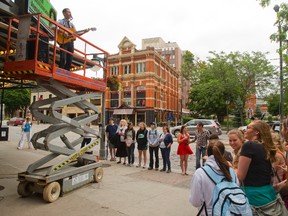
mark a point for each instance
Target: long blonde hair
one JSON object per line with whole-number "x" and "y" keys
{"x": 264, "y": 137}
{"x": 277, "y": 141}
{"x": 123, "y": 122}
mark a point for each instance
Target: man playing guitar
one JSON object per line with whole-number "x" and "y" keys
{"x": 66, "y": 58}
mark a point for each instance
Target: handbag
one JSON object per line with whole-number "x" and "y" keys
{"x": 129, "y": 143}
{"x": 275, "y": 208}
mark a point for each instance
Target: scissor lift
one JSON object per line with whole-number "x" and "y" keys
{"x": 73, "y": 167}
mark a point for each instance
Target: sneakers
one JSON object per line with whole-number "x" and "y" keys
{"x": 19, "y": 148}
{"x": 169, "y": 171}
{"x": 156, "y": 169}
{"x": 150, "y": 168}
{"x": 162, "y": 170}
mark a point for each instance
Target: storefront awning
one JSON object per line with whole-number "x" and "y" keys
{"x": 185, "y": 111}
{"x": 123, "y": 112}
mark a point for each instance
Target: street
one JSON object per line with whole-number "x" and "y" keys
{"x": 123, "y": 190}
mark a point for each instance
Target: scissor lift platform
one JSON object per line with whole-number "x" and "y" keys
{"x": 33, "y": 70}
{"x": 60, "y": 182}
{"x": 32, "y": 53}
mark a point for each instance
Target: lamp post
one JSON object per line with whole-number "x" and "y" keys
{"x": 277, "y": 9}
{"x": 227, "y": 104}
{"x": 101, "y": 62}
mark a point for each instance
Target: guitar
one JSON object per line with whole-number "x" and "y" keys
{"x": 62, "y": 39}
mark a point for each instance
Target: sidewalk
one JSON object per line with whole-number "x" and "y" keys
{"x": 124, "y": 190}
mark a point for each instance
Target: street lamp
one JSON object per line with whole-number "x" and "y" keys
{"x": 227, "y": 104}
{"x": 277, "y": 9}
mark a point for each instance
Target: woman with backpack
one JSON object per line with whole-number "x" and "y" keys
{"x": 255, "y": 169}
{"x": 204, "y": 181}
{"x": 166, "y": 141}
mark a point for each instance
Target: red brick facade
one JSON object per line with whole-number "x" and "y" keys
{"x": 149, "y": 85}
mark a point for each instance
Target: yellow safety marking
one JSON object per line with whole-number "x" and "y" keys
{"x": 44, "y": 67}
{"x": 76, "y": 155}
{"x": 24, "y": 72}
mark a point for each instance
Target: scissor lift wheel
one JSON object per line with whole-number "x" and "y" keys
{"x": 98, "y": 175}
{"x": 51, "y": 192}
{"x": 24, "y": 188}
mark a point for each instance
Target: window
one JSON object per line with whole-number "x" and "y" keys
{"x": 127, "y": 69}
{"x": 114, "y": 101}
{"x": 34, "y": 98}
{"x": 96, "y": 102}
{"x": 127, "y": 96}
{"x": 140, "y": 67}
{"x": 140, "y": 96}
{"x": 114, "y": 70}
{"x": 50, "y": 95}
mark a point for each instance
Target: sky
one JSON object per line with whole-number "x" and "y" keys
{"x": 199, "y": 26}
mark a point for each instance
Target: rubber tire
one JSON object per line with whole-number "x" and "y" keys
{"x": 51, "y": 192}
{"x": 98, "y": 174}
{"x": 23, "y": 189}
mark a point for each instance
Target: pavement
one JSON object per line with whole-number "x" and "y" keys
{"x": 123, "y": 190}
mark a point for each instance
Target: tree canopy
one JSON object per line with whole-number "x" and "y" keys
{"x": 225, "y": 78}
{"x": 15, "y": 100}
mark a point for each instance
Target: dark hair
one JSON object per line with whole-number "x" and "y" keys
{"x": 213, "y": 136}
{"x": 167, "y": 128}
{"x": 64, "y": 10}
{"x": 182, "y": 128}
{"x": 217, "y": 149}
{"x": 200, "y": 124}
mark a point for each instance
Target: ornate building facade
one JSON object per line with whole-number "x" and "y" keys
{"x": 150, "y": 85}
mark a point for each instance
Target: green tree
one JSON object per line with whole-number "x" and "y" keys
{"x": 258, "y": 112}
{"x": 228, "y": 77}
{"x": 273, "y": 101}
{"x": 15, "y": 100}
{"x": 188, "y": 65}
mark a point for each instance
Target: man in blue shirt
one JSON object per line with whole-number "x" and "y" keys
{"x": 110, "y": 134}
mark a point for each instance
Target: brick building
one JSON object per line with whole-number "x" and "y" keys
{"x": 172, "y": 53}
{"x": 150, "y": 85}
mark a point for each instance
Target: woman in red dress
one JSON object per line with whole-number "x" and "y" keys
{"x": 184, "y": 149}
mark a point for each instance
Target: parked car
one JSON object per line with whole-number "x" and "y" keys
{"x": 212, "y": 126}
{"x": 243, "y": 128}
{"x": 15, "y": 121}
{"x": 276, "y": 126}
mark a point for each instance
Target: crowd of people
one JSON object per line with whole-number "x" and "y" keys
{"x": 257, "y": 163}
{"x": 258, "y": 160}
{"x": 260, "y": 164}
{"x": 122, "y": 141}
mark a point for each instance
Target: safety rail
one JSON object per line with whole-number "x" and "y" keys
{"x": 32, "y": 52}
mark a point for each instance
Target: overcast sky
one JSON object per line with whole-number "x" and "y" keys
{"x": 199, "y": 26}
